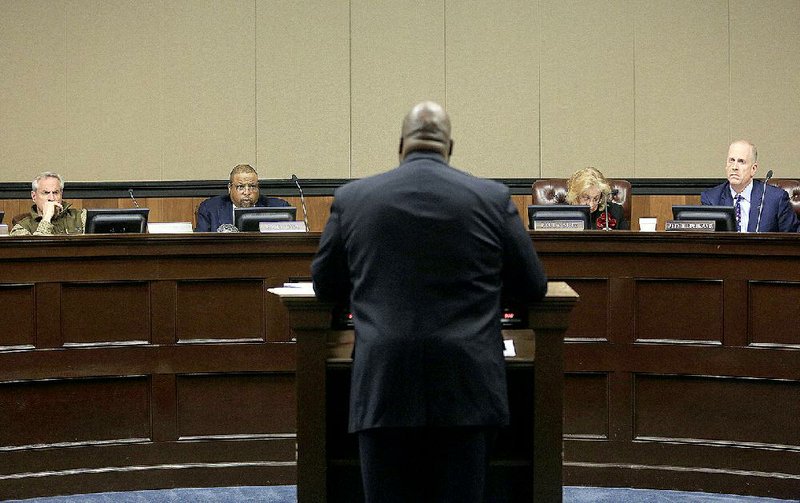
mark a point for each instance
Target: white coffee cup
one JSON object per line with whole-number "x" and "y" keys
{"x": 647, "y": 224}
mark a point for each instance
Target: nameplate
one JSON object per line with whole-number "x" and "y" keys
{"x": 169, "y": 228}
{"x": 558, "y": 225}
{"x": 691, "y": 225}
{"x": 294, "y": 226}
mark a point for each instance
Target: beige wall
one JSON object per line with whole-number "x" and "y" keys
{"x": 185, "y": 89}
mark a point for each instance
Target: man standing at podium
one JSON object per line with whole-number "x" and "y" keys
{"x": 423, "y": 253}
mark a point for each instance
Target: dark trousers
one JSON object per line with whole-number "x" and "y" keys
{"x": 439, "y": 465}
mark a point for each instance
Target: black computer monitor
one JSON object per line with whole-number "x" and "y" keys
{"x": 724, "y": 217}
{"x": 116, "y": 220}
{"x": 247, "y": 219}
{"x": 564, "y": 212}
{"x": 2, "y": 214}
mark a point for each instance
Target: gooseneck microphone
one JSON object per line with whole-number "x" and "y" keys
{"x": 136, "y": 204}
{"x": 763, "y": 193}
{"x": 302, "y": 200}
{"x": 611, "y": 194}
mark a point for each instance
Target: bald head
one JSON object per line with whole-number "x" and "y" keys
{"x": 748, "y": 145}
{"x": 426, "y": 127}
{"x": 742, "y": 164}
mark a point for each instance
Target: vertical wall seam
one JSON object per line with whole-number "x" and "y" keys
{"x": 730, "y": 78}
{"x": 539, "y": 80}
{"x": 633, "y": 78}
{"x": 444, "y": 55}
{"x": 350, "y": 84}
{"x": 66, "y": 92}
{"x": 255, "y": 83}
{"x": 161, "y": 81}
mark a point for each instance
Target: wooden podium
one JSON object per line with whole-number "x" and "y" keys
{"x": 526, "y": 462}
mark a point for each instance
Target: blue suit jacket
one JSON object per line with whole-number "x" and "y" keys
{"x": 777, "y": 215}
{"x": 218, "y": 210}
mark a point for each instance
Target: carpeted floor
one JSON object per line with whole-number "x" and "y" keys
{"x": 288, "y": 494}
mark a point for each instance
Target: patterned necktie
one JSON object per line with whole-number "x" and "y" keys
{"x": 738, "y": 209}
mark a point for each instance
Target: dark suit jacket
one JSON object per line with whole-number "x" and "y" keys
{"x": 777, "y": 215}
{"x": 424, "y": 252}
{"x": 616, "y": 218}
{"x": 218, "y": 210}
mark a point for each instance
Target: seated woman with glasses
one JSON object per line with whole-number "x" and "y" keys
{"x": 216, "y": 214}
{"x": 589, "y": 187}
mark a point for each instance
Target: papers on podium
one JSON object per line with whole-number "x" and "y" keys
{"x": 298, "y": 289}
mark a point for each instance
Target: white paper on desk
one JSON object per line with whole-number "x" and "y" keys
{"x": 299, "y": 284}
{"x": 169, "y": 228}
{"x": 509, "y": 348}
{"x": 294, "y": 289}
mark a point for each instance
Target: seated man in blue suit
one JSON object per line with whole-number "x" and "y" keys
{"x": 242, "y": 193}
{"x": 746, "y": 194}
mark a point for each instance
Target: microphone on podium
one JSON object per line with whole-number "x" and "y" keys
{"x": 761, "y": 205}
{"x": 302, "y": 200}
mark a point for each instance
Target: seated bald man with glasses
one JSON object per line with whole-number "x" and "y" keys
{"x": 216, "y": 213}
{"x": 759, "y": 207}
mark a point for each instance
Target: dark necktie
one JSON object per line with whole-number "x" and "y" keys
{"x": 738, "y": 208}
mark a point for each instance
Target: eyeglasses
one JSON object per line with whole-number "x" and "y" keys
{"x": 246, "y": 187}
{"x": 586, "y": 199}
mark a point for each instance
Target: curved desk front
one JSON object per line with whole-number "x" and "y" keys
{"x": 162, "y": 361}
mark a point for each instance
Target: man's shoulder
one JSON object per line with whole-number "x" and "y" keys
{"x": 485, "y": 183}
{"x": 717, "y": 188}
{"x": 714, "y": 192}
{"x": 23, "y": 227}
{"x": 215, "y": 201}
{"x": 443, "y": 172}
{"x": 27, "y": 218}
{"x": 270, "y": 201}
{"x": 354, "y": 186}
{"x": 484, "y": 188}
{"x": 774, "y": 192}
